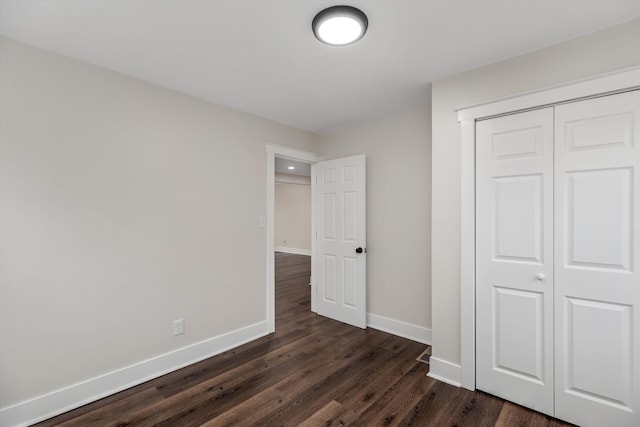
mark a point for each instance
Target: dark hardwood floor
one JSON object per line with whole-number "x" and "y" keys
{"x": 312, "y": 372}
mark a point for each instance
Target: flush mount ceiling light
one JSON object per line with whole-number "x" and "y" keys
{"x": 291, "y": 168}
{"x": 340, "y": 25}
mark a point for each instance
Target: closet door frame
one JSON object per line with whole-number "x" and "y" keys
{"x": 606, "y": 84}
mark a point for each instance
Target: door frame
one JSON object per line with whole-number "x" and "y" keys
{"x": 273, "y": 151}
{"x": 601, "y": 85}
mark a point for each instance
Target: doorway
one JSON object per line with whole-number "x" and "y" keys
{"x": 300, "y": 157}
{"x": 338, "y": 237}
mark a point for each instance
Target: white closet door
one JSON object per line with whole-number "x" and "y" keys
{"x": 514, "y": 261}
{"x": 597, "y": 241}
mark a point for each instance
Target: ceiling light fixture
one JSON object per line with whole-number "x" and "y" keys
{"x": 291, "y": 168}
{"x": 340, "y": 25}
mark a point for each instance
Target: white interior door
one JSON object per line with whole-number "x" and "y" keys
{"x": 340, "y": 255}
{"x": 514, "y": 261}
{"x": 597, "y": 286}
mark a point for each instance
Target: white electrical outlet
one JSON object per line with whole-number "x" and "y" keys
{"x": 178, "y": 327}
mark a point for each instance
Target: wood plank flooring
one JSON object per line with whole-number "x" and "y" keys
{"x": 312, "y": 372}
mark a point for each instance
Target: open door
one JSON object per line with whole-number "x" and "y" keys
{"x": 340, "y": 241}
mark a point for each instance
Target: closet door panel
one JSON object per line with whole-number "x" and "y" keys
{"x": 514, "y": 278}
{"x": 597, "y": 255}
{"x": 598, "y": 219}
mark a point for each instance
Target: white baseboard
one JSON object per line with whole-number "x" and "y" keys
{"x": 296, "y": 251}
{"x": 399, "y": 328}
{"x": 444, "y": 371}
{"x": 74, "y": 396}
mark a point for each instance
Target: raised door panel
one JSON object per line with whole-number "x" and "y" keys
{"x": 350, "y": 270}
{"x": 599, "y": 219}
{"x": 600, "y": 131}
{"x": 514, "y": 274}
{"x": 599, "y": 331}
{"x": 517, "y": 218}
{"x": 329, "y": 279}
{"x": 597, "y": 285}
{"x": 519, "y": 348}
{"x": 518, "y": 143}
{"x": 329, "y": 218}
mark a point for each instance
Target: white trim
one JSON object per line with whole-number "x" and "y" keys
{"x": 273, "y": 151}
{"x": 397, "y": 327}
{"x": 76, "y": 395}
{"x": 444, "y": 371}
{"x": 312, "y": 281}
{"x": 591, "y": 87}
{"x": 285, "y": 178}
{"x": 468, "y": 258}
{"x": 286, "y": 152}
{"x": 575, "y": 90}
{"x": 296, "y": 251}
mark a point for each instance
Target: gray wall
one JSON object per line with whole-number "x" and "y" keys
{"x": 398, "y": 151}
{"x": 117, "y": 217}
{"x": 292, "y": 204}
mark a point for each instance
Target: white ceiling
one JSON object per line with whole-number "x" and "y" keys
{"x": 260, "y": 56}
{"x": 282, "y": 166}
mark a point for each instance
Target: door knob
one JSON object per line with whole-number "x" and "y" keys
{"x": 540, "y": 276}
{"x": 359, "y": 250}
